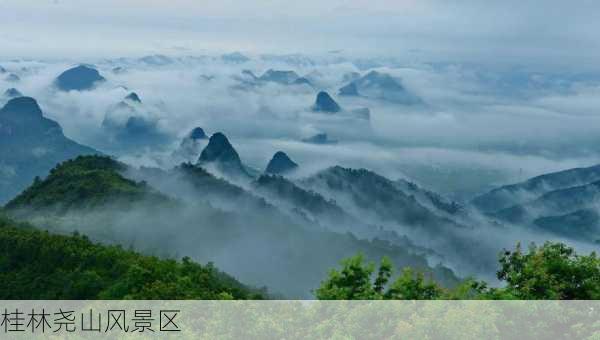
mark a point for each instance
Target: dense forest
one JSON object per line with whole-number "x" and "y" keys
{"x": 37, "y": 265}
{"x": 84, "y": 182}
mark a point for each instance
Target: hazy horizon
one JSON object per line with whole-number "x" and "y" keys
{"x": 506, "y": 33}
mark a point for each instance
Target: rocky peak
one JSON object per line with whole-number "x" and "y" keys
{"x": 325, "y": 103}
{"x": 22, "y": 107}
{"x": 197, "y": 133}
{"x": 79, "y": 78}
{"x": 12, "y": 93}
{"x": 219, "y": 150}
{"x": 133, "y": 97}
{"x": 280, "y": 164}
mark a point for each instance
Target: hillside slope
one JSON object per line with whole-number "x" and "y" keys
{"x": 37, "y": 265}
{"x": 207, "y": 218}
{"x": 30, "y": 145}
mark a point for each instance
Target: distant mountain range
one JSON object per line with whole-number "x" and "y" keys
{"x": 378, "y": 85}
{"x": 12, "y": 93}
{"x": 272, "y": 224}
{"x": 130, "y": 124}
{"x": 281, "y": 77}
{"x": 188, "y": 210}
{"x": 30, "y": 145}
{"x": 564, "y": 202}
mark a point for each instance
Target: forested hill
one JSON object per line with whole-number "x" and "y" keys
{"x": 37, "y": 265}
{"x": 189, "y": 212}
{"x": 84, "y": 182}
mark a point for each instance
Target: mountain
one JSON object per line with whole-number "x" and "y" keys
{"x": 302, "y": 81}
{"x": 316, "y": 209}
{"x": 2, "y": 70}
{"x": 191, "y": 145}
{"x": 350, "y": 90}
{"x": 12, "y": 93}
{"x": 279, "y": 77}
{"x": 197, "y": 133}
{"x": 133, "y": 97}
{"x": 132, "y": 125}
{"x": 83, "y": 183}
{"x": 235, "y": 58}
{"x": 509, "y": 195}
{"x": 324, "y": 103}
{"x": 319, "y": 138}
{"x": 119, "y": 70}
{"x": 366, "y": 191}
{"x": 379, "y": 85}
{"x": 13, "y": 78}
{"x": 79, "y": 78}
{"x": 188, "y": 211}
{"x": 583, "y": 225}
{"x": 30, "y": 145}
{"x": 221, "y": 154}
{"x": 280, "y": 164}
{"x": 156, "y": 60}
{"x": 371, "y": 197}
{"x": 38, "y": 265}
{"x": 430, "y": 199}
{"x": 249, "y": 74}
{"x": 350, "y": 77}
{"x": 248, "y": 79}
{"x": 570, "y": 197}
{"x": 134, "y": 133}
{"x": 218, "y": 191}
{"x": 576, "y": 207}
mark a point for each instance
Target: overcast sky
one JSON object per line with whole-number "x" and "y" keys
{"x": 550, "y": 32}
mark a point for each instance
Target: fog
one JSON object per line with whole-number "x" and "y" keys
{"x": 507, "y": 91}
{"x": 473, "y": 121}
{"x": 558, "y": 33}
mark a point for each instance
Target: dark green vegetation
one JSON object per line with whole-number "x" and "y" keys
{"x": 373, "y": 193}
{"x": 37, "y": 265}
{"x": 208, "y": 219}
{"x": 552, "y": 272}
{"x": 84, "y": 182}
{"x": 288, "y": 246}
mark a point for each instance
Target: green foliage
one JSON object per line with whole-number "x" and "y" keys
{"x": 413, "y": 286}
{"x": 37, "y": 265}
{"x": 552, "y": 271}
{"x": 355, "y": 282}
{"x": 86, "y": 181}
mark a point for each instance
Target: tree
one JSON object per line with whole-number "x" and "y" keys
{"x": 552, "y": 271}
{"x": 356, "y": 282}
{"x": 353, "y": 282}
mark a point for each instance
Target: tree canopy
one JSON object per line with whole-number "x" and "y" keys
{"x": 35, "y": 264}
{"x": 552, "y": 271}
